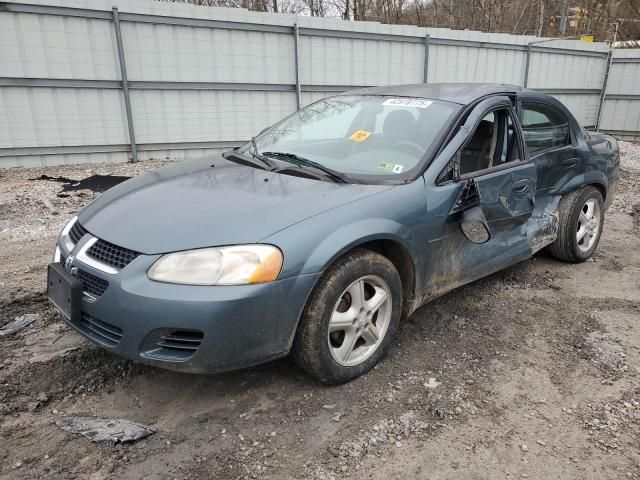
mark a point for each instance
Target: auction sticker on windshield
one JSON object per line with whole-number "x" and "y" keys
{"x": 408, "y": 102}
{"x": 360, "y": 136}
{"x": 391, "y": 167}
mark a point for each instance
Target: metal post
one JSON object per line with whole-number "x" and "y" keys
{"x": 530, "y": 50}
{"x": 125, "y": 84}
{"x": 604, "y": 88}
{"x": 296, "y": 41}
{"x": 526, "y": 65}
{"x": 427, "y": 40}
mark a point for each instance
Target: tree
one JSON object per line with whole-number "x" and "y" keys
{"x": 566, "y": 18}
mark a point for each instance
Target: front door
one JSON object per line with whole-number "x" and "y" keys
{"x": 489, "y": 174}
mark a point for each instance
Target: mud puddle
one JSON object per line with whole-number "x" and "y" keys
{"x": 95, "y": 183}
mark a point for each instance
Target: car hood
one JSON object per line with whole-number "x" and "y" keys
{"x": 207, "y": 202}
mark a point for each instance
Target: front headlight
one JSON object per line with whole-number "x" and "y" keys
{"x": 234, "y": 265}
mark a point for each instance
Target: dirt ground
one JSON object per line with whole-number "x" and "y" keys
{"x": 531, "y": 373}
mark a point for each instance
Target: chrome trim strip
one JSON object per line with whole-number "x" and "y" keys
{"x": 64, "y": 235}
{"x": 89, "y": 296}
{"x": 82, "y": 256}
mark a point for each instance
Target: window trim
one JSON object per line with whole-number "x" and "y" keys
{"x": 551, "y": 150}
{"x": 497, "y": 168}
{"x": 572, "y": 136}
{"x": 505, "y": 166}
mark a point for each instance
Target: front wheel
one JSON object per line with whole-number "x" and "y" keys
{"x": 581, "y": 218}
{"x": 350, "y": 318}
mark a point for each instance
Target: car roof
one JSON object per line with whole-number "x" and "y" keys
{"x": 461, "y": 93}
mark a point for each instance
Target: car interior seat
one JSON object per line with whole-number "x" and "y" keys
{"x": 477, "y": 154}
{"x": 399, "y": 126}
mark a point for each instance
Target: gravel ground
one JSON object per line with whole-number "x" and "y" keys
{"x": 630, "y": 153}
{"x": 530, "y": 373}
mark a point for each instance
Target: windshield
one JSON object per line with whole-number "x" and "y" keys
{"x": 358, "y": 135}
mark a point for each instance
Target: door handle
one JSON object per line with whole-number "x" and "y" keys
{"x": 520, "y": 186}
{"x": 569, "y": 162}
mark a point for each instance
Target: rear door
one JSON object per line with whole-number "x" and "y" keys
{"x": 491, "y": 171}
{"x": 549, "y": 142}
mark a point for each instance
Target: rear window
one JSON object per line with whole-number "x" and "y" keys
{"x": 544, "y": 127}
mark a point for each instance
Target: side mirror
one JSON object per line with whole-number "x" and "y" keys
{"x": 474, "y": 225}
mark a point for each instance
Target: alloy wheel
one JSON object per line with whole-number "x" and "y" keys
{"x": 360, "y": 320}
{"x": 588, "y": 225}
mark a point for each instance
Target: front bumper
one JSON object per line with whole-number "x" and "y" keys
{"x": 201, "y": 329}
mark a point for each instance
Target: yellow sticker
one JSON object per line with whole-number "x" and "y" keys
{"x": 360, "y": 136}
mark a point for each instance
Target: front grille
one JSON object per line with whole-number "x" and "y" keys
{"x": 92, "y": 284}
{"x": 99, "y": 331}
{"x": 112, "y": 255}
{"x": 77, "y": 232}
{"x": 173, "y": 345}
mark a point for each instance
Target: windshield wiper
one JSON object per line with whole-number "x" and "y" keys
{"x": 246, "y": 159}
{"x": 257, "y": 155}
{"x": 305, "y": 162}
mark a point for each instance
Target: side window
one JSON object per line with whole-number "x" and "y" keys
{"x": 493, "y": 143}
{"x": 544, "y": 127}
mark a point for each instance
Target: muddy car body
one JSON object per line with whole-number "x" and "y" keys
{"x": 349, "y": 247}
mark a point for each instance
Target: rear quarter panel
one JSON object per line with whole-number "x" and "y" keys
{"x": 603, "y": 154}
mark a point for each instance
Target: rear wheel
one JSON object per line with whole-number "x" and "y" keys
{"x": 581, "y": 218}
{"x": 350, "y": 318}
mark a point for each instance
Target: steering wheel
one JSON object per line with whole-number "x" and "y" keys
{"x": 411, "y": 148}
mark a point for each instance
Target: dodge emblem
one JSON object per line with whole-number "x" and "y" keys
{"x": 68, "y": 262}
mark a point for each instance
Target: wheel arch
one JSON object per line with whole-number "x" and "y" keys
{"x": 399, "y": 255}
{"x": 385, "y": 237}
{"x": 601, "y": 188}
{"x": 594, "y": 179}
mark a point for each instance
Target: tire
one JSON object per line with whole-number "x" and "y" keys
{"x": 567, "y": 247}
{"x": 323, "y": 354}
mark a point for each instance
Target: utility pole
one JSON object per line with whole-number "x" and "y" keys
{"x": 541, "y": 19}
{"x": 563, "y": 18}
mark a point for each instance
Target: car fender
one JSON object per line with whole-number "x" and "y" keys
{"x": 304, "y": 258}
{"x": 357, "y": 233}
{"x": 310, "y": 247}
